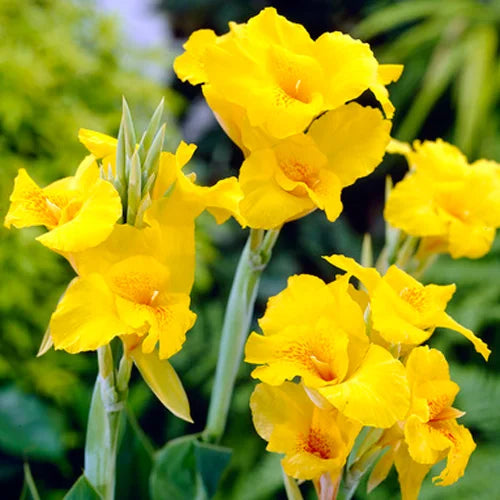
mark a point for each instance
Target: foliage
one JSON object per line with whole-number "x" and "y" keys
{"x": 451, "y": 53}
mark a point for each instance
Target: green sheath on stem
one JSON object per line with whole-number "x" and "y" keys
{"x": 104, "y": 424}
{"x": 237, "y": 319}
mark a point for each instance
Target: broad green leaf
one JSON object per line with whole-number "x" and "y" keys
{"x": 82, "y": 490}
{"x": 29, "y": 428}
{"x": 211, "y": 462}
{"x": 164, "y": 382}
{"x": 174, "y": 472}
{"x": 476, "y": 86}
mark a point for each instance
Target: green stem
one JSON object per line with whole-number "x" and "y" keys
{"x": 237, "y": 320}
{"x": 103, "y": 427}
{"x": 357, "y": 470}
{"x": 291, "y": 487}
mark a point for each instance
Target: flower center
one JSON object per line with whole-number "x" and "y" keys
{"x": 319, "y": 444}
{"x": 300, "y": 171}
{"x": 415, "y": 297}
{"x": 139, "y": 279}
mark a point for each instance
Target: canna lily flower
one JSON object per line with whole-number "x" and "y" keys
{"x": 332, "y": 355}
{"x": 79, "y": 211}
{"x": 292, "y": 177}
{"x": 221, "y": 200}
{"x": 430, "y": 431}
{"x": 136, "y": 284}
{"x": 403, "y": 311}
{"x": 315, "y": 441}
{"x": 280, "y": 79}
{"x": 453, "y": 206}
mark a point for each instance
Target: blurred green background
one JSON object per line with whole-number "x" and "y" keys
{"x": 65, "y": 64}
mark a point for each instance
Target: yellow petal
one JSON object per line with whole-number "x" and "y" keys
{"x": 462, "y": 447}
{"x": 410, "y": 203}
{"x": 190, "y": 65}
{"x": 426, "y": 443}
{"x": 305, "y": 299}
{"x": 272, "y": 406}
{"x": 163, "y": 381}
{"x": 470, "y": 240}
{"x": 410, "y": 473}
{"x": 480, "y": 346}
{"x": 99, "y": 144}
{"x": 386, "y": 74}
{"x": 86, "y": 318}
{"x": 265, "y": 204}
{"x": 28, "y": 206}
{"x": 377, "y": 394}
{"x": 348, "y": 64}
{"x": 368, "y": 276}
{"x": 316, "y": 353}
{"x": 91, "y": 225}
{"x": 353, "y": 138}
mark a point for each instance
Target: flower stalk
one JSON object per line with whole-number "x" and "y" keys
{"x": 103, "y": 427}
{"x": 237, "y": 320}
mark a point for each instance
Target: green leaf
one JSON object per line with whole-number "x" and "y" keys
{"x": 129, "y": 129}
{"x": 186, "y": 469}
{"x": 441, "y": 70}
{"x": 28, "y": 427}
{"x": 476, "y": 86}
{"x": 82, "y": 490}
{"x": 393, "y": 16}
{"x": 151, "y": 130}
{"x": 174, "y": 472}
{"x": 211, "y": 462}
{"x": 30, "y": 491}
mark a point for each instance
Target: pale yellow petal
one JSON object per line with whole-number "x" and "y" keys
{"x": 163, "y": 381}
{"x": 377, "y": 394}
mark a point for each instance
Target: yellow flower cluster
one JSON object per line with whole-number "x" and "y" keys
{"x": 453, "y": 206}
{"x": 133, "y": 279}
{"x": 355, "y": 354}
{"x": 284, "y": 99}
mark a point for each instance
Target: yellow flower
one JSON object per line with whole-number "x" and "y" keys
{"x": 137, "y": 284}
{"x": 291, "y": 177}
{"x": 314, "y": 441}
{"x": 404, "y": 311}
{"x": 453, "y": 206}
{"x": 430, "y": 431}
{"x": 279, "y": 78}
{"x": 317, "y": 332}
{"x": 79, "y": 211}
{"x": 221, "y": 200}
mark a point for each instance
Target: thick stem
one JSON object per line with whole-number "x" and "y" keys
{"x": 103, "y": 427}
{"x": 237, "y": 320}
